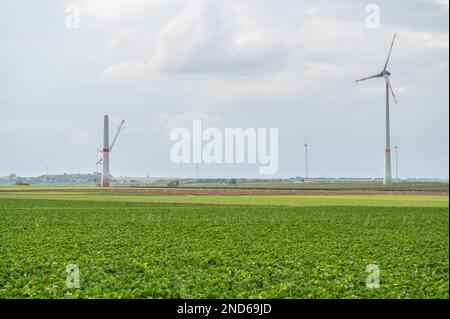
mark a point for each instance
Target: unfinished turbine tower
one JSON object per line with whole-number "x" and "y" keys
{"x": 387, "y": 150}
{"x": 106, "y": 150}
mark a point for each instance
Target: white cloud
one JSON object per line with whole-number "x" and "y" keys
{"x": 213, "y": 37}
{"x": 168, "y": 122}
{"x": 80, "y": 138}
{"x": 126, "y": 70}
{"x": 428, "y": 40}
{"x": 206, "y": 37}
{"x": 117, "y": 9}
{"x": 124, "y": 40}
{"x": 444, "y": 3}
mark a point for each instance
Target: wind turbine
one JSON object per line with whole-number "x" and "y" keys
{"x": 387, "y": 151}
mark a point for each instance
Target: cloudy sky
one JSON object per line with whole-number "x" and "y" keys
{"x": 159, "y": 64}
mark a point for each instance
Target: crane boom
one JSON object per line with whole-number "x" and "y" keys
{"x": 117, "y": 135}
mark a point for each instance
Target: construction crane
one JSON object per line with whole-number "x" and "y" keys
{"x": 114, "y": 140}
{"x": 117, "y": 135}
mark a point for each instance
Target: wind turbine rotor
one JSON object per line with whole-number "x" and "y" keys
{"x": 388, "y": 82}
{"x": 380, "y": 75}
{"x": 390, "y": 51}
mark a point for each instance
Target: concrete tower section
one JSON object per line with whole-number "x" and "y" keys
{"x": 105, "y": 152}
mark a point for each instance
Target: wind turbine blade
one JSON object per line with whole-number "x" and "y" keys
{"x": 390, "y": 51}
{"x": 370, "y": 77}
{"x": 390, "y": 89}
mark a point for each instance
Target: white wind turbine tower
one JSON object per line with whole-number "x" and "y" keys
{"x": 387, "y": 152}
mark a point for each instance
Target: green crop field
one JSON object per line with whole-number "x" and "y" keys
{"x": 441, "y": 186}
{"x": 272, "y": 200}
{"x": 331, "y": 185}
{"x": 153, "y": 246}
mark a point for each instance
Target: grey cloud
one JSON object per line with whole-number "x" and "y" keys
{"x": 209, "y": 37}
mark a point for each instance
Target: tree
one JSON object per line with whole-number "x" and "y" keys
{"x": 174, "y": 183}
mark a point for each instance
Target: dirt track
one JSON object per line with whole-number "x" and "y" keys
{"x": 240, "y": 191}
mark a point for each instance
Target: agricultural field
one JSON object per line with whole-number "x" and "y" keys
{"x": 173, "y": 246}
{"x": 331, "y": 185}
{"x": 311, "y": 185}
{"x": 257, "y": 200}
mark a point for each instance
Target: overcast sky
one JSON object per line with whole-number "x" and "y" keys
{"x": 159, "y": 64}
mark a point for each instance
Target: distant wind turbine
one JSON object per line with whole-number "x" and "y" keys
{"x": 387, "y": 151}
